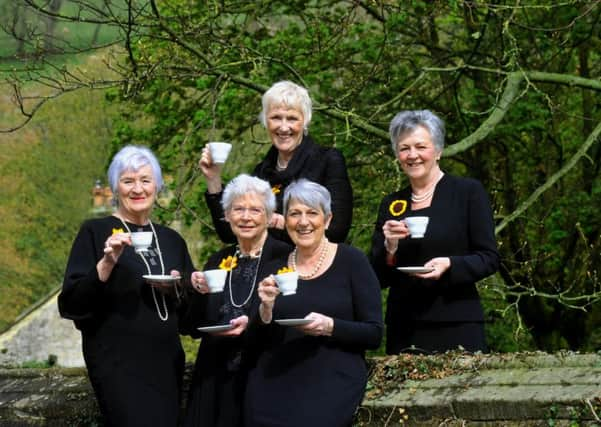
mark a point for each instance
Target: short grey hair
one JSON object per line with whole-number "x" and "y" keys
{"x": 308, "y": 193}
{"x": 288, "y": 94}
{"x": 244, "y": 184}
{"x": 132, "y": 158}
{"x": 407, "y": 121}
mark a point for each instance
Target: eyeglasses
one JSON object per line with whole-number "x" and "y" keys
{"x": 252, "y": 211}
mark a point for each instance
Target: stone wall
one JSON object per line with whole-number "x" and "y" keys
{"x": 449, "y": 390}
{"x": 41, "y": 334}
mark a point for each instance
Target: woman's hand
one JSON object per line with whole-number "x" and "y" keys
{"x": 166, "y": 287}
{"x": 320, "y": 326}
{"x": 277, "y": 221}
{"x": 440, "y": 265}
{"x": 394, "y": 231}
{"x": 211, "y": 171}
{"x": 199, "y": 282}
{"x": 113, "y": 248}
{"x": 239, "y": 323}
{"x": 268, "y": 292}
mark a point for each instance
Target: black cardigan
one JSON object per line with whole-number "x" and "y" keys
{"x": 323, "y": 165}
{"x": 461, "y": 227}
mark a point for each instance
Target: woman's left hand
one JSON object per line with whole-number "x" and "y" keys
{"x": 320, "y": 326}
{"x": 440, "y": 265}
{"x": 239, "y": 323}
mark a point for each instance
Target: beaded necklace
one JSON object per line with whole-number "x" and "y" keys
{"x": 418, "y": 199}
{"x": 238, "y": 254}
{"x": 322, "y": 257}
{"x": 165, "y": 316}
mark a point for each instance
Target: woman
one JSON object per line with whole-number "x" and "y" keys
{"x": 438, "y": 310}
{"x": 216, "y": 391}
{"x": 314, "y": 374}
{"x": 286, "y": 115}
{"x": 129, "y": 329}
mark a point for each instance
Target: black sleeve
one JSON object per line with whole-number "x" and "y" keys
{"x": 337, "y": 182}
{"x": 365, "y": 330}
{"x": 386, "y": 274}
{"x": 482, "y": 258}
{"x": 82, "y": 289}
{"x": 222, "y": 227}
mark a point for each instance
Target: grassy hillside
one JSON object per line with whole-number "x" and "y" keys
{"x": 47, "y": 170}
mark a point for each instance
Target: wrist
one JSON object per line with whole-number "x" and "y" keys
{"x": 391, "y": 247}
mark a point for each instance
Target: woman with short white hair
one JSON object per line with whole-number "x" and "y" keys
{"x": 129, "y": 326}
{"x": 222, "y": 363}
{"x": 286, "y": 114}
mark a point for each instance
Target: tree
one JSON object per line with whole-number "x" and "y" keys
{"x": 516, "y": 84}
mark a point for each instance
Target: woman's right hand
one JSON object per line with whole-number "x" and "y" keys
{"x": 268, "y": 292}
{"x": 199, "y": 282}
{"x": 113, "y": 248}
{"x": 393, "y": 232}
{"x": 210, "y": 170}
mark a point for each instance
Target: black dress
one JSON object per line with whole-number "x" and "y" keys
{"x": 302, "y": 380}
{"x": 326, "y": 166}
{"x": 435, "y": 316}
{"x": 217, "y": 387}
{"x": 134, "y": 359}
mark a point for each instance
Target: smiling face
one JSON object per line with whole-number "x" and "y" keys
{"x": 248, "y": 219}
{"x": 306, "y": 226}
{"x": 136, "y": 192}
{"x": 285, "y": 127}
{"x": 417, "y": 155}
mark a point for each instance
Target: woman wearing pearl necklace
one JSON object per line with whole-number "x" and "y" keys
{"x": 313, "y": 374}
{"x": 129, "y": 326}
{"x": 437, "y": 310}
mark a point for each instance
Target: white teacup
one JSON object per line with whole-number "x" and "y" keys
{"x": 215, "y": 279}
{"x": 219, "y": 151}
{"x": 287, "y": 282}
{"x": 141, "y": 240}
{"x": 417, "y": 226}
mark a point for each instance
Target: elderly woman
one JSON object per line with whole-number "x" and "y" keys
{"x": 314, "y": 374}
{"x": 437, "y": 310}
{"x": 129, "y": 329}
{"x": 216, "y": 391}
{"x": 286, "y": 115}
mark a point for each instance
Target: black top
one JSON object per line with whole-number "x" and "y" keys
{"x": 134, "y": 359}
{"x": 326, "y": 166}
{"x": 302, "y": 380}
{"x": 461, "y": 227}
{"x": 217, "y": 387}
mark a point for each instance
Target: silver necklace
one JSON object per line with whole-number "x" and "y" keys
{"x": 322, "y": 257}
{"x": 252, "y": 288}
{"x": 279, "y": 165}
{"x": 156, "y": 239}
{"x": 418, "y": 199}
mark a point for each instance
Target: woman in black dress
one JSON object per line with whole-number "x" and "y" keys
{"x": 217, "y": 387}
{"x": 286, "y": 114}
{"x": 314, "y": 374}
{"x": 439, "y": 310}
{"x": 129, "y": 326}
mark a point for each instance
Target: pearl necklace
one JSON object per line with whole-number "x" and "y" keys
{"x": 418, "y": 199}
{"x": 165, "y": 316}
{"x": 322, "y": 257}
{"x": 252, "y": 288}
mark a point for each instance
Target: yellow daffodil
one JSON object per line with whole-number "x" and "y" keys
{"x": 118, "y": 230}
{"x": 276, "y": 189}
{"x": 285, "y": 270}
{"x": 228, "y": 263}
{"x": 397, "y": 207}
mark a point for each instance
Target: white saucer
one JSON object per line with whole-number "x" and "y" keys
{"x": 161, "y": 278}
{"x": 216, "y": 328}
{"x": 293, "y": 322}
{"x": 415, "y": 269}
